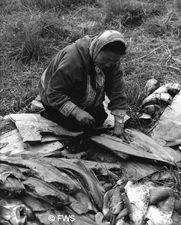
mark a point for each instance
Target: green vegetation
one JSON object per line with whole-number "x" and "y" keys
{"x": 32, "y": 31}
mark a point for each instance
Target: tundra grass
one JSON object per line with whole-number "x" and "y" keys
{"x": 31, "y": 32}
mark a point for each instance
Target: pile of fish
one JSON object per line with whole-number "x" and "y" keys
{"x": 58, "y": 191}
{"x": 41, "y": 182}
{"x": 33, "y": 191}
{"x": 142, "y": 204}
{"x": 110, "y": 182}
{"x": 158, "y": 98}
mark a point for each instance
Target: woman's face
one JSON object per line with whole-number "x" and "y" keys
{"x": 106, "y": 59}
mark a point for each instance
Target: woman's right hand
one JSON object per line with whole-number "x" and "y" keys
{"x": 83, "y": 117}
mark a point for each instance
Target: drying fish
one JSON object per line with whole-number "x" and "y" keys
{"x": 35, "y": 204}
{"x": 14, "y": 211}
{"x": 151, "y": 86}
{"x": 12, "y": 185}
{"x": 45, "y": 218}
{"x": 31, "y": 127}
{"x": 46, "y": 191}
{"x": 121, "y": 222}
{"x": 122, "y": 214}
{"x": 82, "y": 219}
{"x": 5, "y": 213}
{"x": 100, "y": 168}
{"x": 161, "y": 215}
{"x": 151, "y": 110}
{"x": 173, "y": 88}
{"x": 145, "y": 116}
{"x": 177, "y": 205}
{"x": 10, "y": 180}
{"x": 33, "y": 223}
{"x": 138, "y": 196}
{"x": 7, "y": 170}
{"x": 99, "y": 219}
{"x": 158, "y": 194}
{"x": 167, "y": 133}
{"x": 85, "y": 176}
{"x": 113, "y": 202}
{"x": 176, "y": 218}
{"x": 45, "y": 171}
{"x": 161, "y": 89}
{"x": 167, "y": 206}
{"x": 4, "y": 222}
{"x": 81, "y": 203}
{"x": 156, "y": 217}
{"x": 157, "y": 98}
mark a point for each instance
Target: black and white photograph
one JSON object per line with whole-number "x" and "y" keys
{"x": 90, "y": 112}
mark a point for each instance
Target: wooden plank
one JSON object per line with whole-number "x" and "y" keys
{"x": 11, "y": 144}
{"x": 141, "y": 146}
{"x": 32, "y": 127}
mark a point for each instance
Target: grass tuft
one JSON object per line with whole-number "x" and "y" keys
{"x": 132, "y": 13}
{"x": 57, "y": 5}
{"x": 30, "y": 39}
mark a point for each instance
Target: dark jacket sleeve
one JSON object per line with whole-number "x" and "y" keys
{"x": 62, "y": 81}
{"x": 115, "y": 90}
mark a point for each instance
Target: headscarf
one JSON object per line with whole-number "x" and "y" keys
{"x": 103, "y": 39}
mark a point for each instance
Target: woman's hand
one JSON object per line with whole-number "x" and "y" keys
{"x": 83, "y": 117}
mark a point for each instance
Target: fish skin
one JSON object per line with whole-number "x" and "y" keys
{"x": 80, "y": 219}
{"x": 57, "y": 219}
{"x": 12, "y": 185}
{"x": 36, "y": 205}
{"x": 43, "y": 218}
{"x": 155, "y": 98}
{"x": 85, "y": 176}
{"x": 81, "y": 204}
{"x": 4, "y": 222}
{"x": 45, "y": 190}
{"x": 138, "y": 196}
{"x": 8, "y": 170}
{"x": 157, "y": 217}
{"x": 113, "y": 202}
{"x": 5, "y": 213}
{"x": 13, "y": 209}
{"x": 45, "y": 171}
{"x": 151, "y": 85}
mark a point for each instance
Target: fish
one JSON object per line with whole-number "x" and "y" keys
{"x": 85, "y": 176}
{"x": 46, "y": 191}
{"x": 14, "y": 211}
{"x": 152, "y": 110}
{"x": 8, "y": 170}
{"x": 11, "y": 186}
{"x": 113, "y": 202}
{"x": 35, "y": 204}
{"x": 81, "y": 203}
{"x": 44, "y": 171}
{"x": 138, "y": 196}
{"x": 151, "y": 85}
{"x": 156, "y": 98}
